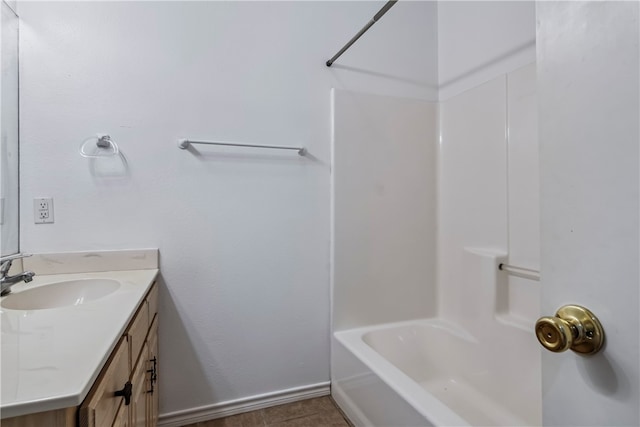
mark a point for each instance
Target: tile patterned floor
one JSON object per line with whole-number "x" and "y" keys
{"x": 317, "y": 412}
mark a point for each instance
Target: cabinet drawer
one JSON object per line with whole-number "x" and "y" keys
{"x": 137, "y": 332}
{"x": 100, "y": 407}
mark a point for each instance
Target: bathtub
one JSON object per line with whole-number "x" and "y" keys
{"x": 431, "y": 372}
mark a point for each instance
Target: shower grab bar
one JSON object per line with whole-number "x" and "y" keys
{"x": 527, "y": 273}
{"x": 364, "y": 29}
{"x": 184, "y": 143}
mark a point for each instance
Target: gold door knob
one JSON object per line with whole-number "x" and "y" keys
{"x": 573, "y": 327}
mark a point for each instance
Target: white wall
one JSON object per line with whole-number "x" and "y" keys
{"x": 589, "y": 103}
{"x": 243, "y": 234}
{"x": 480, "y": 40}
{"x": 384, "y": 209}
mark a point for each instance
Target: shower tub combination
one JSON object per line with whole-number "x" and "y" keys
{"x": 431, "y": 372}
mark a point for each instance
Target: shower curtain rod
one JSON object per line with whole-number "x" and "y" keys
{"x": 375, "y": 18}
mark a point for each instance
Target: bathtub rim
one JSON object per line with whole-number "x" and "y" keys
{"x": 438, "y": 413}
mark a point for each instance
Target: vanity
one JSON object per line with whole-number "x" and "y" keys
{"x": 80, "y": 341}
{"x": 80, "y": 345}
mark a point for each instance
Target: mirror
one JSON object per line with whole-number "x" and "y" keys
{"x": 9, "y": 132}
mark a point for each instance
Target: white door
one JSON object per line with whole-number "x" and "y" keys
{"x": 588, "y": 94}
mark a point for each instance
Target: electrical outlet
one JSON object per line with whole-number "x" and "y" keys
{"x": 43, "y": 210}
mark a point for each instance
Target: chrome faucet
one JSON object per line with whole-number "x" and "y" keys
{"x": 7, "y": 281}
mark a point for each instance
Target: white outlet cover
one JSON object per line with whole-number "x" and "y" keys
{"x": 43, "y": 210}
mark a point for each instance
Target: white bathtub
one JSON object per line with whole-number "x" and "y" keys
{"x": 432, "y": 373}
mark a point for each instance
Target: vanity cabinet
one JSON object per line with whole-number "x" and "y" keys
{"x": 125, "y": 393}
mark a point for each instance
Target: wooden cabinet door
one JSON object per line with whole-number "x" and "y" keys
{"x": 100, "y": 407}
{"x": 122, "y": 417}
{"x": 152, "y": 375}
{"x": 137, "y": 332}
{"x": 139, "y": 398}
{"x": 152, "y": 300}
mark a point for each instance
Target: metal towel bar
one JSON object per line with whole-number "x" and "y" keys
{"x": 184, "y": 143}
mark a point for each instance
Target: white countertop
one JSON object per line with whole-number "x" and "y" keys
{"x": 51, "y": 357}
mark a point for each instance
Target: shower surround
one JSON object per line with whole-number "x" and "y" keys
{"x": 442, "y": 195}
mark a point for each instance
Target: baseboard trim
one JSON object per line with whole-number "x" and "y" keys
{"x": 247, "y": 404}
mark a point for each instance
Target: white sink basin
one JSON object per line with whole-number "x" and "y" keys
{"x": 61, "y": 294}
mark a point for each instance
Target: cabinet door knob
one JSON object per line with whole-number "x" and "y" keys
{"x": 573, "y": 327}
{"x": 125, "y": 392}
